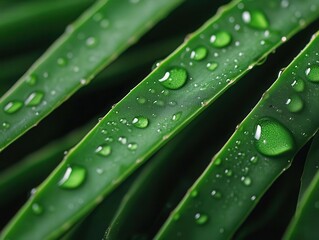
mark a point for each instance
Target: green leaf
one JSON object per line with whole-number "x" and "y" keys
{"x": 157, "y": 109}
{"x": 304, "y": 224}
{"x": 88, "y": 45}
{"x": 258, "y": 152}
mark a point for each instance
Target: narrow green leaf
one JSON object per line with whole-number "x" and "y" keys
{"x": 88, "y": 45}
{"x": 304, "y": 224}
{"x": 169, "y": 98}
{"x": 311, "y": 166}
{"x": 259, "y": 151}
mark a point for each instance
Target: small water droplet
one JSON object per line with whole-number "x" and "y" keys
{"x": 122, "y": 140}
{"x": 73, "y": 177}
{"x": 272, "y": 138}
{"x": 221, "y": 39}
{"x": 228, "y": 172}
{"x": 298, "y": 85}
{"x": 140, "y": 122}
{"x": 294, "y": 104}
{"x": 34, "y": 99}
{"x": 104, "y": 150}
{"x": 12, "y": 107}
{"x": 31, "y": 80}
{"x": 90, "y": 42}
{"x": 246, "y": 180}
{"x": 132, "y": 146}
{"x": 253, "y": 159}
{"x": 174, "y": 78}
{"x": 211, "y": 66}
{"x": 194, "y": 193}
{"x": 5, "y": 125}
{"x": 141, "y": 100}
{"x": 37, "y": 208}
{"x": 199, "y": 53}
{"x": 215, "y": 194}
{"x": 105, "y": 23}
{"x": 176, "y": 217}
{"x": 313, "y": 74}
{"x": 255, "y": 19}
{"x": 200, "y": 218}
{"x": 176, "y": 116}
{"x": 62, "y": 62}
{"x": 217, "y": 161}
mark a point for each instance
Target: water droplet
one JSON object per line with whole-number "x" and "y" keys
{"x": 211, "y": 66}
{"x": 140, "y": 122}
{"x": 122, "y": 140}
{"x": 194, "y": 193}
{"x": 176, "y": 116}
{"x": 201, "y": 218}
{"x": 272, "y": 138}
{"x": 313, "y": 74}
{"x": 255, "y": 19}
{"x": 73, "y": 177}
{"x": 5, "y": 125}
{"x": 104, "y": 150}
{"x": 294, "y": 104}
{"x": 215, "y": 194}
{"x": 217, "y": 161}
{"x": 174, "y": 79}
{"x": 141, "y": 100}
{"x": 298, "y": 85}
{"x": 199, "y": 53}
{"x": 132, "y": 146}
{"x": 37, "y": 208}
{"x": 176, "y": 217}
{"x": 12, "y": 107}
{"x": 253, "y": 159}
{"x": 156, "y": 64}
{"x": 246, "y": 180}
{"x": 105, "y": 23}
{"x": 221, "y": 39}
{"x": 34, "y": 99}
{"x": 90, "y": 42}
{"x": 62, "y": 62}
{"x": 31, "y": 80}
{"x": 228, "y": 172}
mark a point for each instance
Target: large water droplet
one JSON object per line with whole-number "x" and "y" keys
{"x": 221, "y": 39}
{"x": 73, "y": 177}
{"x": 294, "y": 104}
{"x": 313, "y": 74}
{"x": 272, "y": 138}
{"x": 256, "y": 19}
{"x": 140, "y": 122}
{"x": 201, "y": 218}
{"x": 298, "y": 85}
{"x": 174, "y": 79}
{"x": 37, "y": 208}
{"x": 199, "y": 53}
{"x": 34, "y": 99}
{"x": 12, "y": 107}
{"x": 104, "y": 150}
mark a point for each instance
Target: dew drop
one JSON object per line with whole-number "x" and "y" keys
{"x": 217, "y": 161}
{"x": 221, "y": 39}
{"x": 34, "y": 99}
{"x": 122, "y": 140}
{"x": 37, "y": 208}
{"x": 200, "y": 218}
{"x": 313, "y": 74}
{"x": 12, "y": 107}
{"x": 298, "y": 85}
{"x": 228, "y": 172}
{"x": 199, "y": 53}
{"x": 246, "y": 180}
{"x": 141, "y": 100}
{"x": 294, "y": 104}
{"x": 253, "y": 159}
{"x": 176, "y": 217}
{"x": 194, "y": 193}
{"x": 140, "y": 122}
{"x": 176, "y": 116}
{"x": 272, "y": 138}
{"x": 255, "y": 19}
{"x": 73, "y": 177}
{"x": 90, "y": 42}
{"x": 216, "y": 195}
{"x": 103, "y": 150}
{"x": 61, "y": 62}
{"x": 174, "y": 79}
{"x": 5, "y": 125}
{"x": 105, "y": 23}
{"x": 31, "y": 80}
{"x": 212, "y": 66}
{"x": 132, "y": 146}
